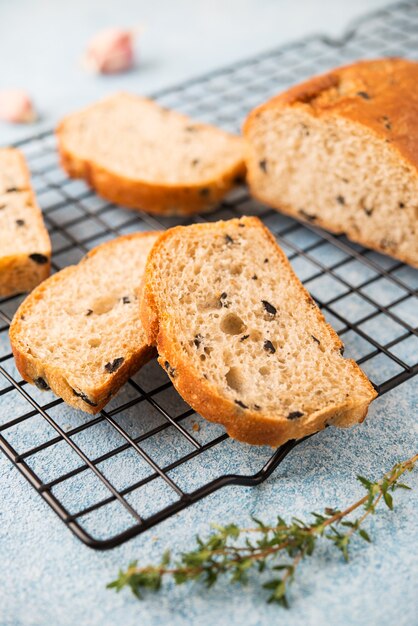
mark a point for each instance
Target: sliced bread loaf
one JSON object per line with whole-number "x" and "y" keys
{"x": 25, "y": 248}
{"x": 79, "y": 332}
{"x": 242, "y": 340}
{"x": 341, "y": 151}
{"x": 135, "y": 153}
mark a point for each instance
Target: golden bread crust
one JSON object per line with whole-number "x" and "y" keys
{"x": 379, "y": 94}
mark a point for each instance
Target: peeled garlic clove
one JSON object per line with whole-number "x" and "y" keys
{"x": 110, "y": 51}
{"x": 16, "y": 107}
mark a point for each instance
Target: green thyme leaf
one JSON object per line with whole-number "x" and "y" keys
{"x": 364, "y": 534}
{"x": 388, "y": 500}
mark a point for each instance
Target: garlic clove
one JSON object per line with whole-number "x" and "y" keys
{"x": 110, "y": 51}
{"x": 16, "y": 107}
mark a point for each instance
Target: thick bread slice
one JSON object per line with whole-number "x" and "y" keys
{"x": 25, "y": 248}
{"x": 242, "y": 340}
{"x": 142, "y": 156}
{"x": 341, "y": 151}
{"x": 79, "y": 333}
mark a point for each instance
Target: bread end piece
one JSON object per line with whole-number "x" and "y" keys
{"x": 340, "y": 151}
{"x": 25, "y": 247}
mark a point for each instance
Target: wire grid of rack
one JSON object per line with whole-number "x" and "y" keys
{"x": 148, "y": 455}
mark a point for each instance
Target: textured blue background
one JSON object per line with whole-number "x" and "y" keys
{"x": 42, "y": 41}
{"x": 49, "y": 577}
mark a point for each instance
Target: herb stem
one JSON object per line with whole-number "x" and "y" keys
{"x": 220, "y": 553}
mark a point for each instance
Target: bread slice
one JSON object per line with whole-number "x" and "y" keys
{"x": 242, "y": 340}
{"x": 135, "y": 153}
{"x": 79, "y": 332}
{"x": 341, "y": 151}
{"x": 25, "y": 248}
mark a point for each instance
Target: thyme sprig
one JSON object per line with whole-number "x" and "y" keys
{"x": 279, "y": 548}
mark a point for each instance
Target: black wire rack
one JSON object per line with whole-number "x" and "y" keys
{"x": 148, "y": 455}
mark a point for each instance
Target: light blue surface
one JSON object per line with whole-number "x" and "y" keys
{"x": 42, "y": 41}
{"x": 49, "y": 577}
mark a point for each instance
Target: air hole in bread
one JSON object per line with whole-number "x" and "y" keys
{"x": 255, "y": 335}
{"x": 264, "y": 371}
{"x": 103, "y": 305}
{"x": 235, "y": 379}
{"x": 94, "y": 342}
{"x": 209, "y": 303}
{"x": 232, "y": 324}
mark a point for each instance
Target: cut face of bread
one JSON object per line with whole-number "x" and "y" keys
{"x": 242, "y": 340}
{"x": 138, "y": 154}
{"x": 25, "y": 248}
{"x": 79, "y": 333}
{"x": 340, "y": 151}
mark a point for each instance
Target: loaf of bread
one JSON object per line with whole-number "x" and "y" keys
{"x": 242, "y": 340}
{"x": 341, "y": 151}
{"x": 25, "y": 248}
{"x": 79, "y": 332}
{"x": 135, "y": 153}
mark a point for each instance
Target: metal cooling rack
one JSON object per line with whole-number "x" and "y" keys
{"x": 148, "y": 455}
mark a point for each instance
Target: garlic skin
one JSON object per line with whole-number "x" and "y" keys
{"x": 16, "y": 107}
{"x": 110, "y": 51}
